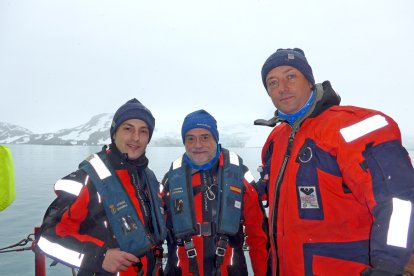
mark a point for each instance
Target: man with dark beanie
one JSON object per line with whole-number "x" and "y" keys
{"x": 339, "y": 183}
{"x": 107, "y": 218}
{"x": 209, "y": 198}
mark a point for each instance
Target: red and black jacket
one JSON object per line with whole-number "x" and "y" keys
{"x": 83, "y": 228}
{"x": 337, "y": 182}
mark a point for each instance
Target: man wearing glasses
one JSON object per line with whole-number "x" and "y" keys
{"x": 209, "y": 199}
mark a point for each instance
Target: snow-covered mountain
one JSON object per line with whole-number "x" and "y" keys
{"x": 96, "y": 132}
{"x": 12, "y": 134}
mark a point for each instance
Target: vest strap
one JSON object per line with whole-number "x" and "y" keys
{"x": 158, "y": 254}
{"x": 192, "y": 256}
{"x": 220, "y": 252}
{"x": 138, "y": 267}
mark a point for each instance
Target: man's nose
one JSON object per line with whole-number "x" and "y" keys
{"x": 283, "y": 86}
{"x": 136, "y": 136}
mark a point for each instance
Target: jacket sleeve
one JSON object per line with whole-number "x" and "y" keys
{"x": 70, "y": 241}
{"x": 255, "y": 223}
{"x": 379, "y": 172}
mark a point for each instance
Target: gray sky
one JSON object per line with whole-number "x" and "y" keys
{"x": 62, "y": 62}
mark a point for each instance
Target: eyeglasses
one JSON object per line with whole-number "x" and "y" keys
{"x": 192, "y": 139}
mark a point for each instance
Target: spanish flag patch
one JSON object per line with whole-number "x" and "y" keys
{"x": 235, "y": 189}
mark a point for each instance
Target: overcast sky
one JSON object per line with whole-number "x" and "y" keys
{"x": 61, "y": 62}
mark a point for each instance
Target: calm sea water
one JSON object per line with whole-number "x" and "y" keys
{"x": 37, "y": 168}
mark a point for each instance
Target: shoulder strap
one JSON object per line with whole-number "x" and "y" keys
{"x": 181, "y": 201}
{"x": 231, "y": 196}
{"x": 157, "y": 210}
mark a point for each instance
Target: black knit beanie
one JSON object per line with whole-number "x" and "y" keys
{"x": 132, "y": 109}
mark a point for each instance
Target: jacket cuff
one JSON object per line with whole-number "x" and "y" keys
{"x": 93, "y": 261}
{"x": 388, "y": 266}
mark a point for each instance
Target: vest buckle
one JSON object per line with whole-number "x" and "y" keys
{"x": 221, "y": 246}
{"x": 189, "y": 248}
{"x": 205, "y": 229}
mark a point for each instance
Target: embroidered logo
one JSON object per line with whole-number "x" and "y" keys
{"x": 308, "y": 197}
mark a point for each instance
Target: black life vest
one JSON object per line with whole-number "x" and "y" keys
{"x": 128, "y": 229}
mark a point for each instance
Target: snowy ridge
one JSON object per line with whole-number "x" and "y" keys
{"x": 96, "y": 132}
{"x": 12, "y": 134}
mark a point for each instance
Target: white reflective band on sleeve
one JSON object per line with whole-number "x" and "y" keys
{"x": 69, "y": 186}
{"x": 68, "y": 256}
{"x": 399, "y": 223}
{"x": 249, "y": 177}
{"x": 234, "y": 159}
{"x": 99, "y": 167}
{"x": 177, "y": 163}
{"x": 364, "y": 127}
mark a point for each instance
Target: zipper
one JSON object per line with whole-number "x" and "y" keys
{"x": 277, "y": 190}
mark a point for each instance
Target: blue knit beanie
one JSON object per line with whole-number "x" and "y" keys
{"x": 200, "y": 119}
{"x": 292, "y": 57}
{"x": 132, "y": 109}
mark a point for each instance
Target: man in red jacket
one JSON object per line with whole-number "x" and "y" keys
{"x": 210, "y": 198}
{"x": 108, "y": 212}
{"x": 339, "y": 183}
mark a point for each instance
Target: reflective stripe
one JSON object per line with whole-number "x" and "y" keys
{"x": 234, "y": 159}
{"x": 99, "y": 166}
{"x": 249, "y": 177}
{"x": 364, "y": 127}
{"x": 177, "y": 163}
{"x": 68, "y": 256}
{"x": 99, "y": 197}
{"x": 178, "y": 259}
{"x": 69, "y": 186}
{"x": 399, "y": 223}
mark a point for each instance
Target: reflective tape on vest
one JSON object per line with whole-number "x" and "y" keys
{"x": 249, "y": 177}
{"x": 177, "y": 163}
{"x": 362, "y": 128}
{"x": 234, "y": 159}
{"x": 56, "y": 250}
{"x": 399, "y": 223}
{"x": 99, "y": 166}
{"x": 69, "y": 186}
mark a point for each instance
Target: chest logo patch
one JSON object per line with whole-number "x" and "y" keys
{"x": 308, "y": 197}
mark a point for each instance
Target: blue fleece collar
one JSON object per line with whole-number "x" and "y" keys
{"x": 292, "y": 118}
